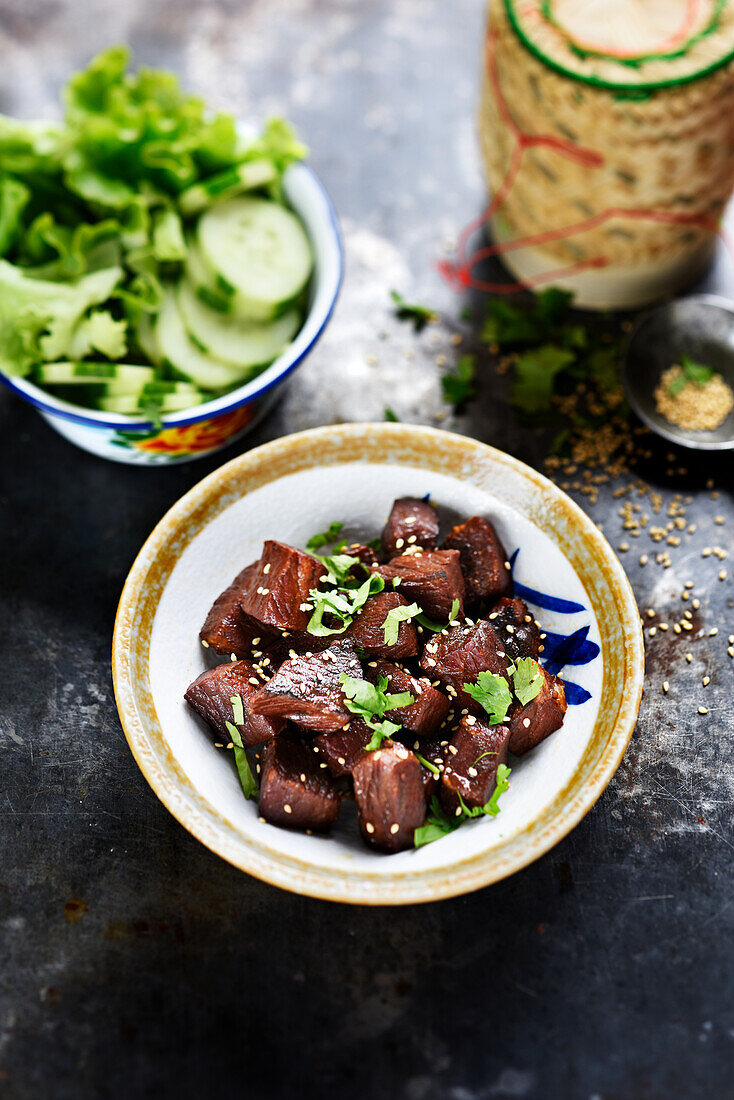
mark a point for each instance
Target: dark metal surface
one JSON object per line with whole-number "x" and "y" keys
{"x": 133, "y": 963}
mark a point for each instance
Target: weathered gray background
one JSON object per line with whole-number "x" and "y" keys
{"x": 603, "y": 971}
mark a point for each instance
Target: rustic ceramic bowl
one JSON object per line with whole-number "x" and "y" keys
{"x": 294, "y": 487}
{"x": 202, "y": 429}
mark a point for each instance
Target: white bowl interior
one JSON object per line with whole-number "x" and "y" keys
{"x": 292, "y": 509}
{"x": 305, "y": 193}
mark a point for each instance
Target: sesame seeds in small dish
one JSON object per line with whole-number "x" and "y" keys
{"x": 287, "y": 491}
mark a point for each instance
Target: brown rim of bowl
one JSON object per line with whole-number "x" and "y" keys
{"x": 579, "y": 539}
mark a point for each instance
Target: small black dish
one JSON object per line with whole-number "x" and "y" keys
{"x": 700, "y": 325}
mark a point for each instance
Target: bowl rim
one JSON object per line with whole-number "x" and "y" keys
{"x": 250, "y": 391}
{"x": 682, "y": 438}
{"x": 335, "y": 445}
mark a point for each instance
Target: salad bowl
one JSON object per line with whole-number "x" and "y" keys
{"x": 202, "y": 429}
{"x": 296, "y": 486}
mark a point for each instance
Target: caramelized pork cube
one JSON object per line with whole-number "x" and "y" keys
{"x": 483, "y": 559}
{"x": 425, "y": 715}
{"x": 388, "y": 788}
{"x": 516, "y": 627}
{"x": 294, "y": 791}
{"x": 211, "y": 697}
{"x": 432, "y": 579}
{"x": 225, "y": 628}
{"x": 343, "y": 749}
{"x": 278, "y": 595}
{"x": 368, "y": 629}
{"x": 308, "y": 689}
{"x": 531, "y": 724}
{"x": 474, "y": 753}
{"x": 366, "y": 554}
{"x": 410, "y": 523}
{"x": 458, "y": 655}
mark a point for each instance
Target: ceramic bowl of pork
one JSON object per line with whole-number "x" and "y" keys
{"x": 293, "y": 488}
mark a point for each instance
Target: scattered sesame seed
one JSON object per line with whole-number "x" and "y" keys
{"x": 713, "y": 631}
{"x": 703, "y": 710}
{"x": 287, "y": 808}
{"x": 204, "y": 643}
{"x": 666, "y": 686}
{"x": 706, "y": 681}
{"x": 399, "y": 543}
{"x": 526, "y": 722}
{"x": 689, "y": 657}
{"x": 369, "y": 827}
{"x": 394, "y": 828}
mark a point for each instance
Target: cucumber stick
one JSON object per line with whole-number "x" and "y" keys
{"x": 180, "y": 353}
{"x": 84, "y": 373}
{"x": 232, "y": 339}
{"x": 241, "y": 177}
{"x": 167, "y": 403}
{"x": 260, "y": 250}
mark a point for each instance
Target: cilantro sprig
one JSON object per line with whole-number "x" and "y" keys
{"x": 325, "y": 538}
{"x": 439, "y": 823}
{"x": 411, "y": 311}
{"x": 247, "y": 779}
{"x": 690, "y": 371}
{"x": 430, "y": 624}
{"x": 527, "y": 679}
{"x": 457, "y": 384}
{"x": 370, "y": 701}
{"x": 396, "y": 616}
{"x": 492, "y": 692}
{"x": 341, "y": 602}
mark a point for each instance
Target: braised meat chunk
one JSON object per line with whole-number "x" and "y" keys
{"x": 294, "y": 791}
{"x": 474, "y": 754}
{"x": 225, "y": 628}
{"x": 425, "y": 715}
{"x": 308, "y": 689}
{"x": 343, "y": 749}
{"x": 211, "y": 697}
{"x": 483, "y": 559}
{"x": 277, "y": 597}
{"x": 516, "y": 627}
{"x": 366, "y": 554}
{"x": 388, "y": 788}
{"x": 456, "y": 657}
{"x": 531, "y": 724}
{"x": 432, "y": 579}
{"x": 368, "y": 629}
{"x": 411, "y": 523}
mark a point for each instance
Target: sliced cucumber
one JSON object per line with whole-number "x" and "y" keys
{"x": 182, "y": 355}
{"x": 260, "y": 249}
{"x": 241, "y": 177}
{"x": 84, "y": 373}
{"x": 232, "y": 339}
{"x": 129, "y": 403}
{"x": 145, "y": 335}
{"x": 204, "y": 281}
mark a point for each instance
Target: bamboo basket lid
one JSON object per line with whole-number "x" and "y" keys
{"x": 631, "y": 46}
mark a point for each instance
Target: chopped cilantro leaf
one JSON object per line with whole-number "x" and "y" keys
{"x": 493, "y": 693}
{"x": 410, "y": 311}
{"x": 535, "y": 373}
{"x": 390, "y": 416}
{"x": 247, "y": 779}
{"x": 429, "y": 624}
{"x": 527, "y": 679}
{"x": 396, "y": 616}
{"x": 370, "y": 701}
{"x": 533, "y": 323}
{"x": 439, "y": 824}
{"x": 690, "y": 371}
{"x": 325, "y": 538}
{"x": 341, "y": 602}
{"x": 458, "y": 382}
{"x": 238, "y": 710}
{"x": 427, "y": 764}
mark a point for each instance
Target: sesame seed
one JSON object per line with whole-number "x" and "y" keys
{"x": 369, "y": 827}
{"x": 453, "y": 750}
{"x": 457, "y": 812}
{"x": 261, "y": 820}
{"x": 287, "y": 809}
{"x": 706, "y": 681}
{"x": 394, "y": 828}
{"x": 399, "y": 544}
{"x": 689, "y": 657}
{"x": 653, "y": 631}
{"x": 703, "y": 710}
{"x": 254, "y": 680}
{"x": 267, "y": 568}
{"x": 713, "y": 631}
{"x": 341, "y": 760}
{"x": 204, "y": 643}
{"x": 666, "y": 686}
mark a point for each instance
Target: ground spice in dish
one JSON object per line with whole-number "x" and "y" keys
{"x": 691, "y": 406}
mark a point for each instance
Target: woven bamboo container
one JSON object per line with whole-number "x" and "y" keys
{"x": 607, "y": 131}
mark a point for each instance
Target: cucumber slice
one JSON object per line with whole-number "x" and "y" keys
{"x": 178, "y": 351}
{"x": 241, "y": 177}
{"x": 85, "y": 373}
{"x": 129, "y": 403}
{"x": 204, "y": 281}
{"x": 145, "y": 335}
{"x": 232, "y": 339}
{"x": 260, "y": 249}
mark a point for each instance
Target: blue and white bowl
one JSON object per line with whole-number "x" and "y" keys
{"x": 206, "y": 428}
